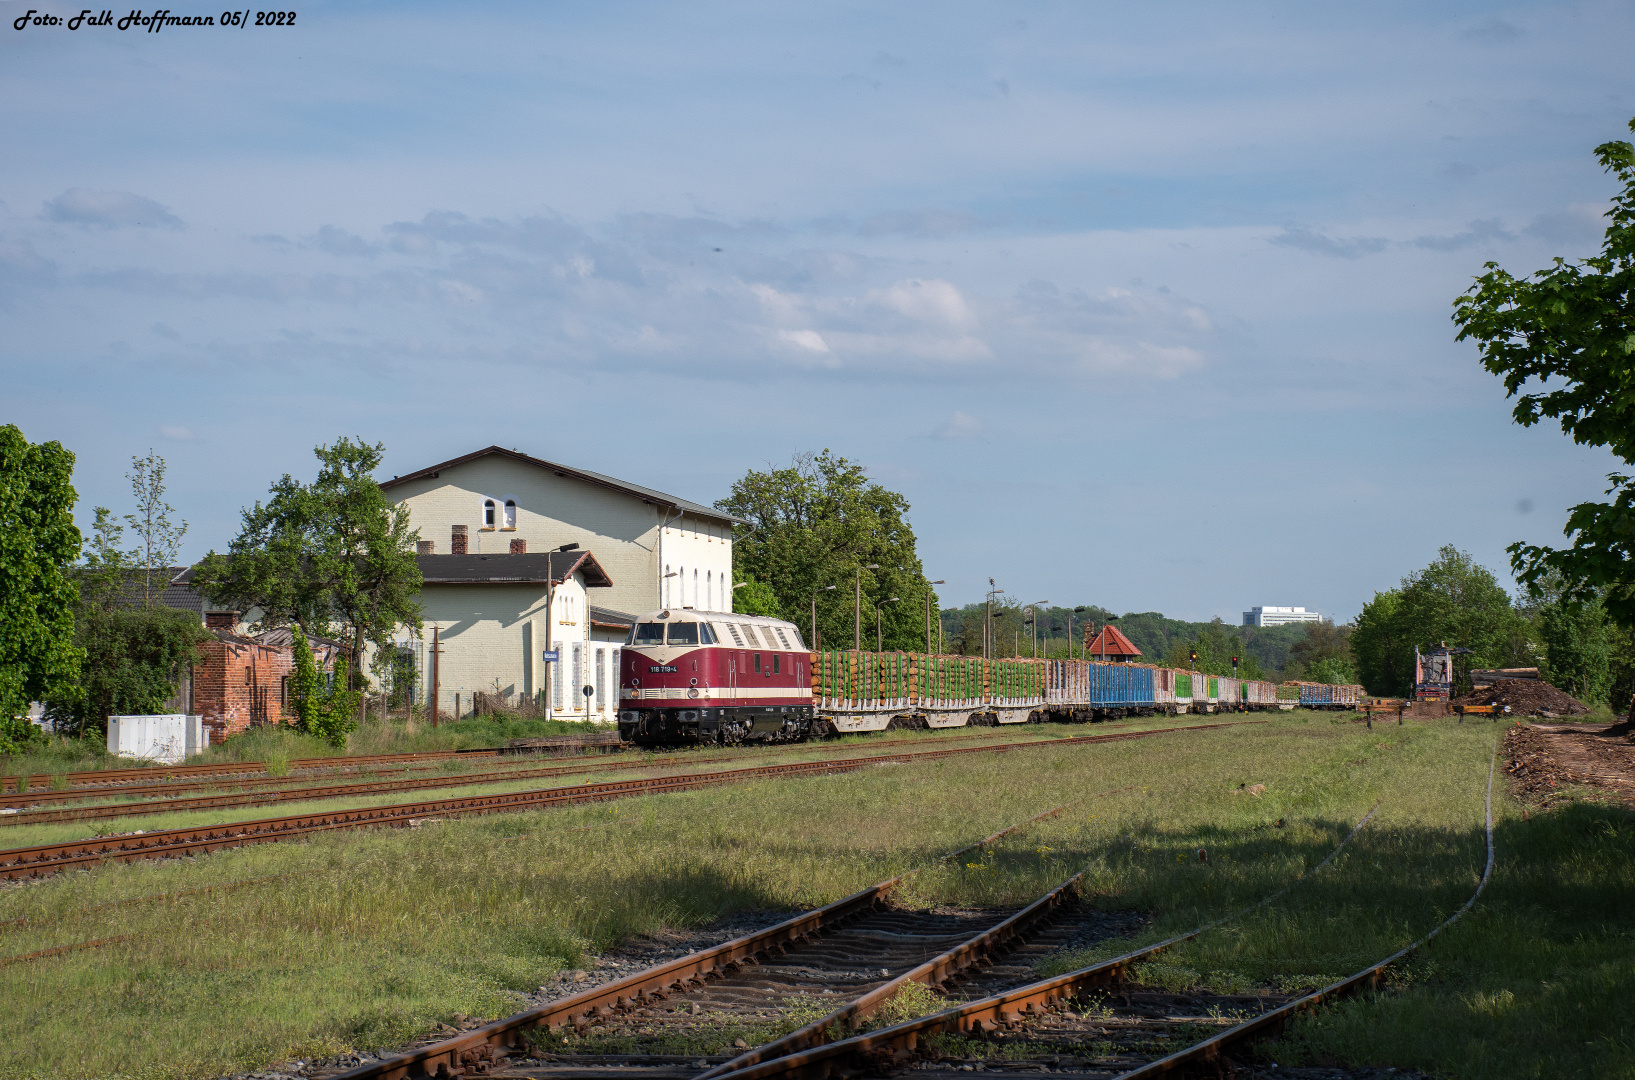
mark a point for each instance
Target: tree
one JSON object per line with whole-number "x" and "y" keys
{"x": 1452, "y": 600}
{"x": 754, "y": 598}
{"x": 38, "y": 541}
{"x": 822, "y": 522}
{"x": 1324, "y": 646}
{"x": 1572, "y": 329}
{"x": 336, "y": 556}
{"x": 158, "y": 541}
{"x": 133, "y": 652}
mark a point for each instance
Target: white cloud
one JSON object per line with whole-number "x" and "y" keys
{"x": 960, "y": 426}
{"x": 109, "y": 210}
{"x": 926, "y": 301}
{"x": 810, "y": 340}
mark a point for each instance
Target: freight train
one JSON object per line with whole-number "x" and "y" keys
{"x": 711, "y": 676}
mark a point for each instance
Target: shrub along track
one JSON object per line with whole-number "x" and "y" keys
{"x": 45, "y": 859}
{"x": 643, "y": 1023}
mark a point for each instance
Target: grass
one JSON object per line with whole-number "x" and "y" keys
{"x": 385, "y": 934}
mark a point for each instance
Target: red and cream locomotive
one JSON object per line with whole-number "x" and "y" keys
{"x": 713, "y": 676}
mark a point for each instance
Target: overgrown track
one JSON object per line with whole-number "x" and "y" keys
{"x": 845, "y": 953}
{"x": 96, "y": 777}
{"x": 265, "y": 790}
{"x": 48, "y": 859}
{"x": 1045, "y": 1024}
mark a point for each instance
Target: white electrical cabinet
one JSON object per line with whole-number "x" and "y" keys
{"x": 168, "y": 738}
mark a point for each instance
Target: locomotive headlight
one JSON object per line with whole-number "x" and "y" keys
{"x": 635, "y": 682}
{"x": 692, "y": 691}
{"x": 692, "y": 682}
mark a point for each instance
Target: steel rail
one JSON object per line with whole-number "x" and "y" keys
{"x": 1206, "y": 1056}
{"x": 656, "y": 983}
{"x": 360, "y": 785}
{"x": 898, "y": 1044}
{"x": 44, "y": 859}
{"x": 90, "y": 777}
{"x": 6, "y": 961}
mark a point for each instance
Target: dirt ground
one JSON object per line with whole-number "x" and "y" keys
{"x": 1546, "y": 759}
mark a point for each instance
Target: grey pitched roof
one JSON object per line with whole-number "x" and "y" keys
{"x": 600, "y": 479}
{"x": 601, "y": 616}
{"x": 533, "y": 568}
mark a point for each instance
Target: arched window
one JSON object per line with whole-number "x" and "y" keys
{"x": 709, "y": 590}
{"x": 695, "y": 586}
{"x": 666, "y": 584}
{"x": 681, "y": 586}
{"x": 488, "y": 513}
{"x": 510, "y": 513}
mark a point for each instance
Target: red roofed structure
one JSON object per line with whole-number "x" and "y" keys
{"x": 1109, "y": 643}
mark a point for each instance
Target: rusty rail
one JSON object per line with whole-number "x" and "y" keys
{"x": 45, "y": 859}
{"x": 654, "y": 984}
{"x": 266, "y": 789}
{"x": 1205, "y": 1056}
{"x": 898, "y": 1044}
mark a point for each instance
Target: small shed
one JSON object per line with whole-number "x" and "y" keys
{"x": 1109, "y": 644}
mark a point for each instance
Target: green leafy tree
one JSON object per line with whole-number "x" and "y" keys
{"x": 820, "y": 522}
{"x": 1452, "y": 600}
{"x": 321, "y": 708}
{"x": 158, "y": 542}
{"x": 1320, "y": 643}
{"x": 1563, "y": 340}
{"x": 38, "y": 542}
{"x": 1383, "y": 652}
{"x": 134, "y": 651}
{"x": 755, "y": 598}
{"x": 336, "y": 555}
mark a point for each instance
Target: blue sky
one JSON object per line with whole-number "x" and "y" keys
{"x": 1145, "y": 307}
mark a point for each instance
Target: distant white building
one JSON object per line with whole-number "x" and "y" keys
{"x": 1277, "y": 616}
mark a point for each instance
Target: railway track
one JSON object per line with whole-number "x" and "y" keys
{"x": 23, "y": 809}
{"x": 1069, "y": 1024}
{"x": 92, "y": 778}
{"x": 46, "y": 859}
{"x": 847, "y": 962}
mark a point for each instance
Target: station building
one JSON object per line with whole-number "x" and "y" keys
{"x": 524, "y": 557}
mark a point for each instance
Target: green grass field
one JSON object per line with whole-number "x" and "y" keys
{"x": 378, "y": 936}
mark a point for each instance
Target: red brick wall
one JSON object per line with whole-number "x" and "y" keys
{"x": 232, "y": 677}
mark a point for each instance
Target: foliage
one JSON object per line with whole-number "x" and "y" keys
{"x": 158, "y": 541}
{"x": 753, "y": 597}
{"x": 1322, "y": 645}
{"x": 38, "y": 541}
{"x": 133, "y": 650}
{"x": 336, "y": 556}
{"x": 1333, "y": 670}
{"x": 820, "y": 522}
{"x": 1452, "y": 600}
{"x": 1572, "y": 328}
{"x": 322, "y": 709}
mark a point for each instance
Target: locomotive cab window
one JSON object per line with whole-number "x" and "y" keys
{"x": 683, "y": 633}
{"x": 647, "y": 633}
{"x": 706, "y": 636}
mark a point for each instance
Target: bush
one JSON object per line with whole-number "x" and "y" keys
{"x": 328, "y": 712}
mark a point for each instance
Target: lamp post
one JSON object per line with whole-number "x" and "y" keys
{"x": 857, "y": 608}
{"x": 1070, "y": 630}
{"x": 988, "y": 648}
{"x": 1033, "y": 611}
{"x": 731, "y": 595}
{"x": 826, "y": 588}
{"x": 1111, "y": 619}
{"x": 928, "y": 617}
{"x": 879, "y": 634}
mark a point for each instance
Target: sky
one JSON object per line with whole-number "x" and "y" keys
{"x": 1145, "y": 306}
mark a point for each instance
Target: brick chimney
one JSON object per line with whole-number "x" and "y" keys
{"x": 457, "y": 543}
{"x": 425, "y": 547}
{"x": 519, "y": 547}
{"x": 221, "y": 620}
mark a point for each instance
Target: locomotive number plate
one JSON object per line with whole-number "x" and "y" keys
{"x": 659, "y": 669}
